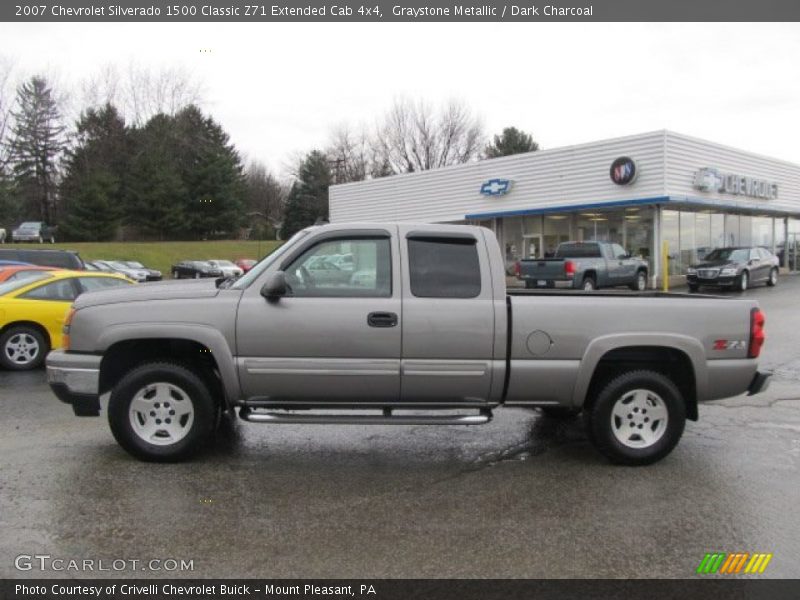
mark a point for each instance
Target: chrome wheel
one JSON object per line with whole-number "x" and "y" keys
{"x": 161, "y": 414}
{"x": 639, "y": 418}
{"x": 773, "y": 277}
{"x": 588, "y": 285}
{"x": 22, "y": 349}
{"x": 641, "y": 282}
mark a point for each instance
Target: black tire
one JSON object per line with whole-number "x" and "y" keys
{"x": 176, "y": 275}
{"x": 743, "y": 282}
{"x": 601, "y": 427}
{"x": 52, "y": 239}
{"x": 559, "y": 412}
{"x": 589, "y": 284}
{"x": 639, "y": 283}
{"x": 25, "y": 331}
{"x": 772, "y": 280}
{"x": 41, "y": 240}
{"x": 693, "y": 288}
{"x": 197, "y": 434}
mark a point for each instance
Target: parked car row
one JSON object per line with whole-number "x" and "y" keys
{"x": 197, "y": 269}
{"x": 131, "y": 269}
{"x": 30, "y": 231}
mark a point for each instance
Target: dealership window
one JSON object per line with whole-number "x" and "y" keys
{"x": 731, "y": 231}
{"x": 512, "y": 240}
{"x": 638, "y": 233}
{"x": 556, "y": 230}
{"x": 670, "y": 234}
{"x": 532, "y": 237}
{"x": 762, "y": 232}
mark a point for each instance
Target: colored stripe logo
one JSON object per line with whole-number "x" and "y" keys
{"x": 735, "y": 563}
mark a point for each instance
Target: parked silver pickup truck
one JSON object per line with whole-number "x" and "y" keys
{"x": 422, "y": 331}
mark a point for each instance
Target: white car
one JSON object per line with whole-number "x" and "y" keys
{"x": 227, "y": 267}
{"x": 138, "y": 275}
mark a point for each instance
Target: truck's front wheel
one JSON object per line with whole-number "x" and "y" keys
{"x": 637, "y": 418}
{"x": 162, "y": 412}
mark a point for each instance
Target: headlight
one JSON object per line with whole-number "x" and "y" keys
{"x": 691, "y": 271}
{"x": 728, "y": 272}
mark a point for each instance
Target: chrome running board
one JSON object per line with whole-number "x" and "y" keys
{"x": 386, "y": 418}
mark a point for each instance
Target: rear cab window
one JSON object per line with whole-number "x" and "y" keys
{"x": 578, "y": 250}
{"x": 444, "y": 267}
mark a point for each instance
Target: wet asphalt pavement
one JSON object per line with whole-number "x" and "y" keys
{"x": 524, "y": 496}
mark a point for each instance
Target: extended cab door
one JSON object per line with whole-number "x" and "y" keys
{"x": 330, "y": 338}
{"x": 624, "y": 267}
{"x": 448, "y": 317}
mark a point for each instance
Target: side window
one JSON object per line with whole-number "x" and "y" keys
{"x": 444, "y": 267}
{"x": 618, "y": 251}
{"x": 754, "y": 254}
{"x": 60, "y": 291}
{"x": 764, "y": 253}
{"x": 343, "y": 268}
{"x": 91, "y": 284}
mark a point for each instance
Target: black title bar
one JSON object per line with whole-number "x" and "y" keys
{"x": 398, "y": 10}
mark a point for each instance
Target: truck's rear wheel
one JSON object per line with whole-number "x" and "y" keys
{"x": 588, "y": 284}
{"x": 162, "y": 412}
{"x": 637, "y": 418}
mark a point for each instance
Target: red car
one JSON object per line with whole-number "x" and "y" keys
{"x": 16, "y": 272}
{"x": 245, "y": 264}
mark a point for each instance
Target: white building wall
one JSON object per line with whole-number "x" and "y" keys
{"x": 686, "y": 155}
{"x": 573, "y": 175}
{"x": 564, "y": 177}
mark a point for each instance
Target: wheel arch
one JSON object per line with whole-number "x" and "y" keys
{"x": 198, "y": 345}
{"x": 33, "y": 324}
{"x": 680, "y": 358}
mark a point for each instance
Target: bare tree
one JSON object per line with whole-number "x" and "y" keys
{"x": 265, "y": 195}
{"x": 415, "y": 137}
{"x": 141, "y": 93}
{"x": 351, "y": 155}
{"x": 7, "y": 94}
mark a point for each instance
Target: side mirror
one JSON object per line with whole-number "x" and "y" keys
{"x": 275, "y": 286}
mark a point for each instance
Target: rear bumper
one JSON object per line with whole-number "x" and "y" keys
{"x": 759, "y": 384}
{"x": 75, "y": 380}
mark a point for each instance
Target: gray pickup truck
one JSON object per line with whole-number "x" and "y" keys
{"x": 585, "y": 265}
{"x": 423, "y": 331}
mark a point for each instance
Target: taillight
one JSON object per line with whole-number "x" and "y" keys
{"x": 517, "y": 269}
{"x": 569, "y": 268}
{"x": 757, "y": 335}
{"x": 65, "y": 329}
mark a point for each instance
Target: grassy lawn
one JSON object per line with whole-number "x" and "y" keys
{"x": 162, "y": 255}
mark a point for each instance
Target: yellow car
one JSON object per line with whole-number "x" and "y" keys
{"x": 32, "y": 312}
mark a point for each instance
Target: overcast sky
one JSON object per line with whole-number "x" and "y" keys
{"x": 278, "y": 89}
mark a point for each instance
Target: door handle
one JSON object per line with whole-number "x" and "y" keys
{"x": 382, "y": 319}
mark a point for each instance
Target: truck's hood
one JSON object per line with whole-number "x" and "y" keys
{"x": 162, "y": 290}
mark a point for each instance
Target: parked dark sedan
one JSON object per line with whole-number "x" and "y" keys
{"x": 194, "y": 269}
{"x": 736, "y": 268}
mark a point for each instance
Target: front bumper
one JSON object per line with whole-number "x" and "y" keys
{"x": 75, "y": 380}
{"x": 726, "y": 281}
{"x": 24, "y": 237}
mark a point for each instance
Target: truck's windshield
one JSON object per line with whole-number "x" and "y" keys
{"x": 254, "y": 273}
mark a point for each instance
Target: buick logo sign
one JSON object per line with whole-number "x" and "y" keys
{"x": 496, "y": 187}
{"x": 623, "y": 171}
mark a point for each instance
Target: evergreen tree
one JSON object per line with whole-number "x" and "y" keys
{"x": 156, "y": 197}
{"x": 212, "y": 174}
{"x": 308, "y": 199}
{"x": 36, "y": 143}
{"x": 512, "y": 141}
{"x": 93, "y": 190}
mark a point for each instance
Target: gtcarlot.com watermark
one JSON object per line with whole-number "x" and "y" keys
{"x": 46, "y": 562}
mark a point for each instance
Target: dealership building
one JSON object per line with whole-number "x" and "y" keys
{"x": 640, "y": 191}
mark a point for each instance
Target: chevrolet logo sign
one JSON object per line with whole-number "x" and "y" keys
{"x": 496, "y": 187}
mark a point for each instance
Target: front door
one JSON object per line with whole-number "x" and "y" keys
{"x": 448, "y": 318}
{"x": 336, "y": 335}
